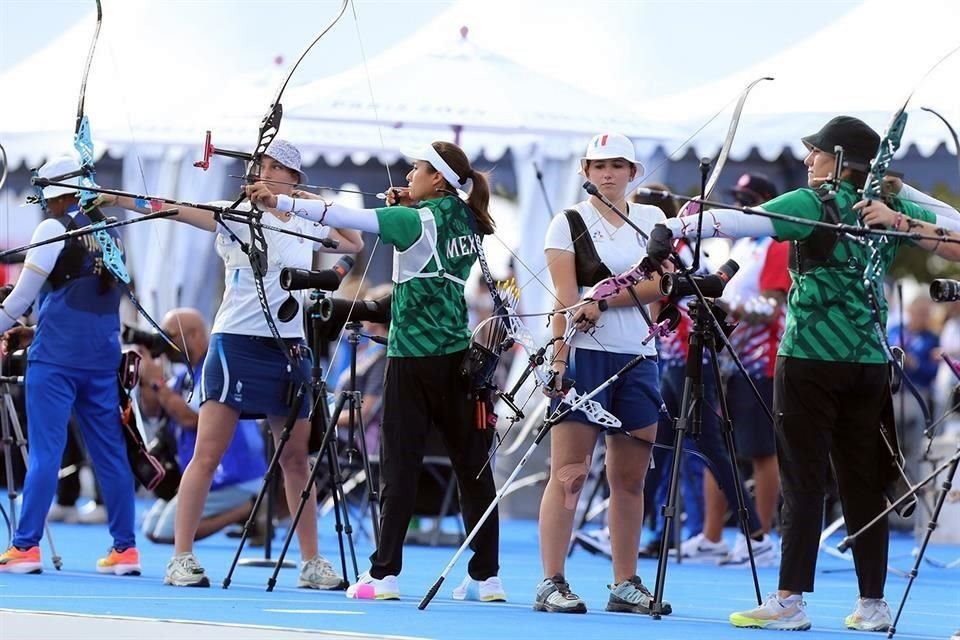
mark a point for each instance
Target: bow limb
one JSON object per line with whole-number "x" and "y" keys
{"x": 953, "y": 134}
{"x": 3, "y": 161}
{"x": 112, "y": 256}
{"x": 256, "y": 249}
{"x": 727, "y": 142}
{"x": 540, "y": 367}
{"x": 376, "y": 244}
{"x": 905, "y": 381}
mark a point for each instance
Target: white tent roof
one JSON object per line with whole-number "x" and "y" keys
{"x": 161, "y": 92}
{"x": 452, "y": 83}
{"x": 864, "y": 64}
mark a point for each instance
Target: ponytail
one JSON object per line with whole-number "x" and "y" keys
{"x": 478, "y": 201}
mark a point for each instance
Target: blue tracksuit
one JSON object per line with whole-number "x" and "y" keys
{"x": 72, "y": 367}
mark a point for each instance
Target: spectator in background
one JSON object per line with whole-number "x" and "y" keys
{"x": 672, "y": 350}
{"x": 239, "y": 475}
{"x": 756, "y": 298}
{"x": 946, "y": 380}
{"x": 921, "y": 346}
{"x": 701, "y": 545}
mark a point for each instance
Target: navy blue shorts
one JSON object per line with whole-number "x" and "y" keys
{"x": 752, "y": 429}
{"x": 634, "y": 398}
{"x": 251, "y": 374}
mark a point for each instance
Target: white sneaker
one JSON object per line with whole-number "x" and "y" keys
{"x": 699, "y": 549}
{"x": 62, "y": 513}
{"x": 764, "y": 553}
{"x": 782, "y": 615}
{"x": 596, "y": 541}
{"x": 96, "y": 514}
{"x": 871, "y": 614}
{"x": 489, "y": 590}
{"x": 183, "y": 570}
{"x": 369, "y": 588}
{"x": 318, "y": 573}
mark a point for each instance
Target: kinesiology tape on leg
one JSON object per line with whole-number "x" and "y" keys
{"x": 571, "y": 477}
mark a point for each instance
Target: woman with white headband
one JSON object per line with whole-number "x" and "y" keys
{"x": 433, "y": 232}
{"x": 583, "y": 244}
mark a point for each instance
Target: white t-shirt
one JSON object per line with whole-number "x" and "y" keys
{"x": 751, "y": 255}
{"x": 240, "y": 311}
{"x": 620, "y": 329}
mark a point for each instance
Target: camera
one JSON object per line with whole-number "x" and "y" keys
{"x": 152, "y": 342}
{"x": 944, "y": 290}
{"x": 326, "y": 279}
{"x": 710, "y": 286}
{"x": 15, "y": 363}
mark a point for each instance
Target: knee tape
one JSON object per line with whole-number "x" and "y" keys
{"x": 571, "y": 477}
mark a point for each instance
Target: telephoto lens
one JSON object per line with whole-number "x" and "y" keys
{"x": 944, "y": 290}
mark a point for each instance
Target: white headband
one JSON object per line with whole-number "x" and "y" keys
{"x": 428, "y": 153}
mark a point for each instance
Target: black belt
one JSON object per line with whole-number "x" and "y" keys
{"x": 270, "y": 341}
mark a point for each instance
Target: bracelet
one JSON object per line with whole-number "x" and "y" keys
{"x": 896, "y": 221}
{"x": 563, "y": 362}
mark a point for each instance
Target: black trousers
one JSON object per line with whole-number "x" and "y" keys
{"x": 419, "y": 392}
{"x": 830, "y": 411}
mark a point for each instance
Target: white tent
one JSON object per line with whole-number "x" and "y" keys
{"x": 865, "y": 64}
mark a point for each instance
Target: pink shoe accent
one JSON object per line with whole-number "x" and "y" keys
{"x": 366, "y": 592}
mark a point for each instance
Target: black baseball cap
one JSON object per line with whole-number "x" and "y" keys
{"x": 755, "y": 188}
{"x": 860, "y": 143}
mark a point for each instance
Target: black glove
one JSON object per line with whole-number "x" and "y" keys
{"x": 660, "y": 244}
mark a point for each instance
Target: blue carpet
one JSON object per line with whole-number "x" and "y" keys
{"x": 702, "y": 596}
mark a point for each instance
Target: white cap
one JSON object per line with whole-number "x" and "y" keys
{"x": 57, "y": 166}
{"x": 288, "y": 155}
{"x": 606, "y": 146}
{"x": 431, "y": 155}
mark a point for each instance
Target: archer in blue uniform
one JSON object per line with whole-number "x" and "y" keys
{"x": 72, "y": 367}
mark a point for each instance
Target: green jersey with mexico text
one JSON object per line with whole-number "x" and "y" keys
{"x": 429, "y": 311}
{"x": 829, "y": 316}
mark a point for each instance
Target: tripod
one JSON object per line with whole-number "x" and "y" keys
{"x": 951, "y": 468}
{"x": 271, "y": 498}
{"x": 353, "y": 403}
{"x": 314, "y": 314}
{"x": 321, "y": 422}
{"x": 703, "y": 334}
{"x": 12, "y": 435}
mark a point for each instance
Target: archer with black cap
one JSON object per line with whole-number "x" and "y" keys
{"x": 831, "y": 375}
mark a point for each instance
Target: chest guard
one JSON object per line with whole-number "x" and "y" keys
{"x": 80, "y": 257}
{"x": 412, "y": 262}
{"x": 589, "y": 267}
{"x": 818, "y": 249}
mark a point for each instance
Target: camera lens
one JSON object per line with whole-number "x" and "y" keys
{"x": 944, "y": 290}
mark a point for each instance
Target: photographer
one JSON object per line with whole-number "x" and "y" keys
{"x": 238, "y": 476}
{"x": 73, "y": 363}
